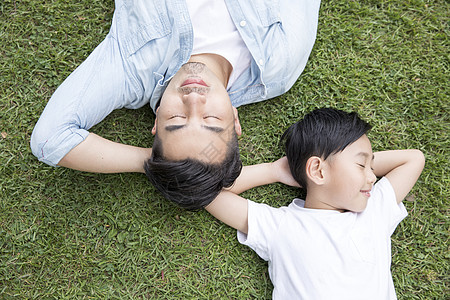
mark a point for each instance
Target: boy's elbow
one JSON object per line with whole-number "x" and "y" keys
{"x": 419, "y": 158}
{"x": 416, "y": 162}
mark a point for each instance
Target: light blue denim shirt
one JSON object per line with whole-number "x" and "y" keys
{"x": 148, "y": 43}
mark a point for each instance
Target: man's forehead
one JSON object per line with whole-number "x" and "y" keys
{"x": 211, "y": 153}
{"x": 207, "y": 146}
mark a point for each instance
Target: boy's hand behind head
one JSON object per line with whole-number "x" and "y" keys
{"x": 283, "y": 173}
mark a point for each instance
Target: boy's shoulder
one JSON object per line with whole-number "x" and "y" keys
{"x": 383, "y": 206}
{"x": 292, "y": 214}
{"x": 383, "y": 190}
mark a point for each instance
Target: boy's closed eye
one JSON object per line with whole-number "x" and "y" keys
{"x": 364, "y": 166}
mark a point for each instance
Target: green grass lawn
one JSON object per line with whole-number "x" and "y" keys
{"x": 67, "y": 234}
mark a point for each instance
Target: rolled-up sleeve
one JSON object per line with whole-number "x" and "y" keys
{"x": 97, "y": 87}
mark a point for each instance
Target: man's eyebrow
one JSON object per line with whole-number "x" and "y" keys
{"x": 171, "y": 128}
{"x": 215, "y": 129}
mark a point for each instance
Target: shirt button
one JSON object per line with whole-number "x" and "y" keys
{"x": 243, "y": 23}
{"x": 261, "y": 62}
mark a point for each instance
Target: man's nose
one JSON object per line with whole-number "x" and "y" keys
{"x": 193, "y": 99}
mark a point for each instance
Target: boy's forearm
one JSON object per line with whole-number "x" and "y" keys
{"x": 401, "y": 167}
{"x": 387, "y": 161}
{"x": 253, "y": 176}
{"x": 262, "y": 174}
{"x": 99, "y": 155}
{"x": 232, "y": 209}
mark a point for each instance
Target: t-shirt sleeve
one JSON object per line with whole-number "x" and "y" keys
{"x": 384, "y": 204}
{"x": 263, "y": 223}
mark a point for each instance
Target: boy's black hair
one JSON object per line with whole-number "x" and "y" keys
{"x": 191, "y": 183}
{"x": 322, "y": 132}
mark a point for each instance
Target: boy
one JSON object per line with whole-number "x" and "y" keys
{"x": 336, "y": 243}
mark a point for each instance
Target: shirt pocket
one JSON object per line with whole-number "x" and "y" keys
{"x": 268, "y": 11}
{"x": 140, "y": 22}
{"x": 365, "y": 246}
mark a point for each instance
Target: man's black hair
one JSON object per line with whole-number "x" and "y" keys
{"x": 320, "y": 133}
{"x": 191, "y": 183}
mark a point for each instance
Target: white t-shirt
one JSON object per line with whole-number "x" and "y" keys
{"x": 215, "y": 32}
{"x": 324, "y": 254}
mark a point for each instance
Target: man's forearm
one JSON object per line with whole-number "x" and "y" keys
{"x": 99, "y": 155}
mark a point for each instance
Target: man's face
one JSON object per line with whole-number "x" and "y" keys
{"x": 195, "y": 118}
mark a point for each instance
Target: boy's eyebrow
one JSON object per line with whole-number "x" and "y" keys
{"x": 366, "y": 155}
{"x": 215, "y": 129}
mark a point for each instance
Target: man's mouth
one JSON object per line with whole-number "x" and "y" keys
{"x": 194, "y": 81}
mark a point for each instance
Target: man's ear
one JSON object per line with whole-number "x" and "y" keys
{"x": 314, "y": 170}
{"x": 237, "y": 124}
{"x": 156, "y": 120}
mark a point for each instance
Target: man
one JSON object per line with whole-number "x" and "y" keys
{"x": 194, "y": 62}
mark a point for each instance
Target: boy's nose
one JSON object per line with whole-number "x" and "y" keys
{"x": 372, "y": 178}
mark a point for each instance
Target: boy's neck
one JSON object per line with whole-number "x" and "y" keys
{"x": 317, "y": 199}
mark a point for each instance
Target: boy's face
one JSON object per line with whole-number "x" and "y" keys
{"x": 350, "y": 176}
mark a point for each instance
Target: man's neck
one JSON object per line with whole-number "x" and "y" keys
{"x": 217, "y": 64}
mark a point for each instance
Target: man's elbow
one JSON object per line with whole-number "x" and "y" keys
{"x": 37, "y": 142}
{"x": 51, "y": 143}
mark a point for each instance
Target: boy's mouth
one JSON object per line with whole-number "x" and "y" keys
{"x": 366, "y": 193}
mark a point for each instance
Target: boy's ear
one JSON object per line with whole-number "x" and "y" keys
{"x": 314, "y": 170}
